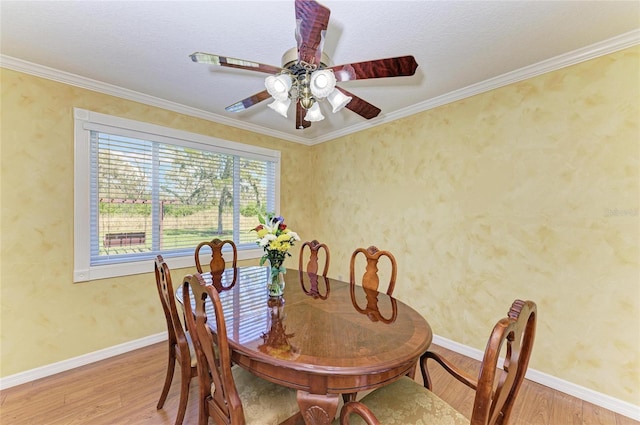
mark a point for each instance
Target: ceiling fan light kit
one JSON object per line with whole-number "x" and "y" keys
{"x": 307, "y": 85}
{"x": 278, "y": 86}
{"x": 280, "y": 106}
{"x": 338, "y": 100}
{"x": 305, "y": 76}
{"x": 323, "y": 83}
{"x": 314, "y": 114}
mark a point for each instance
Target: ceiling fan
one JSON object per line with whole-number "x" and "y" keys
{"x": 305, "y": 76}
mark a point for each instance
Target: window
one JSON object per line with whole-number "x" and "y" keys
{"x": 143, "y": 190}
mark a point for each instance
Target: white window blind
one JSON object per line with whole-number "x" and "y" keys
{"x": 148, "y": 190}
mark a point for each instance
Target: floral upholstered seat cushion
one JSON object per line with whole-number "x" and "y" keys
{"x": 263, "y": 402}
{"x": 406, "y": 402}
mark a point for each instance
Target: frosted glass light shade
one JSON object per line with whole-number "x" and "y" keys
{"x": 278, "y": 86}
{"x": 322, "y": 83}
{"x": 314, "y": 113}
{"x": 338, "y": 100}
{"x": 280, "y": 106}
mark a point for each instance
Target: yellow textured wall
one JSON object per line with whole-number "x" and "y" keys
{"x": 45, "y": 317}
{"x": 528, "y": 191}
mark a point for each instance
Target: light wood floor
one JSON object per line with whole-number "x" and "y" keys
{"x": 125, "y": 390}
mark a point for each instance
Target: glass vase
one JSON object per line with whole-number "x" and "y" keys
{"x": 276, "y": 284}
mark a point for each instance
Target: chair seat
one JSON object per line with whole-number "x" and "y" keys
{"x": 406, "y": 402}
{"x": 263, "y": 402}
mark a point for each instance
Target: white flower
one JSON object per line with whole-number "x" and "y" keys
{"x": 266, "y": 239}
{"x": 294, "y": 236}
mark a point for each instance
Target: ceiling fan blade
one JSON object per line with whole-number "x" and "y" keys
{"x": 311, "y": 26}
{"x": 300, "y": 121}
{"x": 401, "y": 66}
{"x": 248, "y": 102}
{"x": 233, "y": 63}
{"x": 359, "y": 106}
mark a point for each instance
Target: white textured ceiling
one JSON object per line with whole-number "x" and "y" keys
{"x": 140, "y": 49}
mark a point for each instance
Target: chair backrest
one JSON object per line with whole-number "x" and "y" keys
{"x": 167, "y": 298}
{"x": 498, "y": 388}
{"x": 217, "y": 387}
{"x": 370, "y": 278}
{"x": 217, "y": 264}
{"x": 312, "y": 267}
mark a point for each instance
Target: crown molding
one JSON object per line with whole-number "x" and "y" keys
{"x": 580, "y": 55}
{"x": 112, "y": 90}
{"x": 611, "y": 45}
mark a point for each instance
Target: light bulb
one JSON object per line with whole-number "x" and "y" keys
{"x": 322, "y": 83}
{"x": 278, "y": 86}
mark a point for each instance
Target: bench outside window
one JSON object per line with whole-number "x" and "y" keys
{"x": 124, "y": 239}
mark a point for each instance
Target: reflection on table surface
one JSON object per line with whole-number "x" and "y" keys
{"x": 316, "y": 332}
{"x": 276, "y": 341}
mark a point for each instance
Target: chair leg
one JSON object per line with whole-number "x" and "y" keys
{"x": 171, "y": 365}
{"x": 185, "y": 380}
{"x": 203, "y": 408}
{"x": 203, "y": 414}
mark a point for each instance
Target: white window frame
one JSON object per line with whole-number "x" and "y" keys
{"x": 84, "y": 122}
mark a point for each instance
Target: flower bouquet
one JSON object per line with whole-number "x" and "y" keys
{"x": 276, "y": 240}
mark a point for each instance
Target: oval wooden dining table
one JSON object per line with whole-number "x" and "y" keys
{"x": 323, "y": 341}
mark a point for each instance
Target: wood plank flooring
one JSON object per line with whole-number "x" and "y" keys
{"x": 125, "y": 390}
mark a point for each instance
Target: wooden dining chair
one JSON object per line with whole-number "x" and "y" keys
{"x": 371, "y": 281}
{"x": 407, "y": 402}
{"x": 181, "y": 349}
{"x": 370, "y": 278}
{"x": 315, "y": 259}
{"x": 314, "y": 248}
{"x": 217, "y": 264}
{"x": 229, "y": 395}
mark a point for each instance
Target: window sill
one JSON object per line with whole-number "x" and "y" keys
{"x": 140, "y": 267}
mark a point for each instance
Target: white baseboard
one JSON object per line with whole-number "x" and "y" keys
{"x": 610, "y": 403}
{"x": 85, "y": 359}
